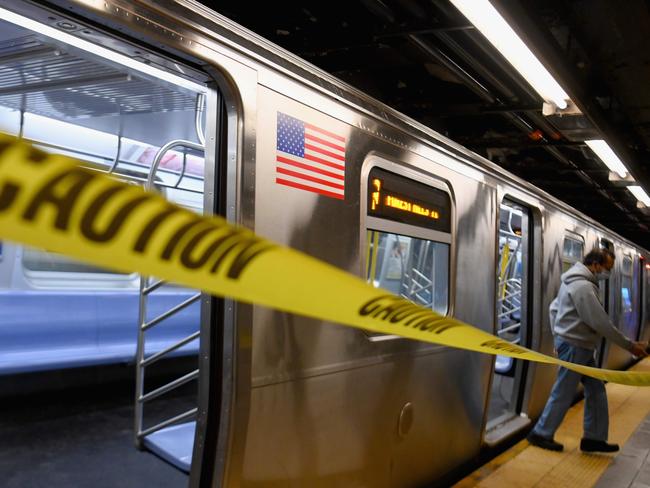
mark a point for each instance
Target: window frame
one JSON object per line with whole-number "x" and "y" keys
{"x": 69, "y": 280}
{"x": 627, "y": 274}
{"x": 629, "y": 257}
{"x": 508, "y": 199}
{"x": 371, "y": 223}
{"x": 571, "y": 236}
{"x": 444, "y": 243}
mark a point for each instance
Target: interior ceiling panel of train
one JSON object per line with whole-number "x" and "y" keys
{"x": 425, "y": 59}
{"x": 55, "y": 80}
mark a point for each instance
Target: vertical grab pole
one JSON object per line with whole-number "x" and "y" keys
{"x": 145, "y": 290}
{"x": 198, "y": 119}
{"x": 139, "y": 358}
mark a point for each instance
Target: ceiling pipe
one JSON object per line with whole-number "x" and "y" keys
{"x": 537, "y": 118}
{"x": 383, "y": 11}
{"x": 530, "y": 28}
{"x": 484, "y": 72}
{"x": 504, "y": 90}
{"x": 514, "y": 118}
{"x": 441, "y": 58}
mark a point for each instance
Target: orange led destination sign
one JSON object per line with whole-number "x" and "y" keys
{"x": 406, "y": 206}
{"x": 405, "y": 200}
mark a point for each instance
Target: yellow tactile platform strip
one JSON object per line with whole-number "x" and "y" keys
{"x": 527, "y": 466}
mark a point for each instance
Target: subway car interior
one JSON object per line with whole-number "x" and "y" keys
{"x": 386, "y": 139}
{"x": 79, "y": 100}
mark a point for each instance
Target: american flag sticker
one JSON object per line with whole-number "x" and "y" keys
{"x": 309, "y": 158}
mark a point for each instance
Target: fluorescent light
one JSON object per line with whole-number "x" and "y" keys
{"x": 494, "y": 27}
{"x": 57, "y": 35}
{"x": 640, "y": 194}
{"x": 607, "y": 156}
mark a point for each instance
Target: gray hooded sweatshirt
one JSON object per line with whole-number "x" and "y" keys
{"x": 577, "y": 315}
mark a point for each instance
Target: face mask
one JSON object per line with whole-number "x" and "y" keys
{"x": 603, "y": 275}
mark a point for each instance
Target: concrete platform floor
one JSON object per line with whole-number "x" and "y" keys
{"x": 80, "y": 438}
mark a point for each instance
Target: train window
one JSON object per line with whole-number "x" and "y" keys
{"x": 604, "y": 284}
{"x": 572, "y": 251}
{"x": 626, "y": 266}
{"x": 512, "y": 269}
{"x": 408, "y": 239}
{"x": 43, "y": 261}
{"x": 416, "y": 269}
{"x": 626, "y": 285}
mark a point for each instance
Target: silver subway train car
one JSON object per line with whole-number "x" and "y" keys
{"x": 304, "y": 159}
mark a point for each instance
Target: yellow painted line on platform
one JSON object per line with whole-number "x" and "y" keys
{"x": 526, "y": 466}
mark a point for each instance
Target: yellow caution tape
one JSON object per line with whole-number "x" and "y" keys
{"x": 49, "y": 201}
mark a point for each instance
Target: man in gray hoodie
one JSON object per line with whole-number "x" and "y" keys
{"x": 579, "y": 321}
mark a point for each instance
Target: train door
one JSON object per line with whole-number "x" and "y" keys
{"x": 630, "y": 285}
{"x": 64, "y": 92}
{"x": 645, "y": 298}
{"x": 604, "y": 287}
{"x": 513, "y": 322}
{"x": 573, "y": 250}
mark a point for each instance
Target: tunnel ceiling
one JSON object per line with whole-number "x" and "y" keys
{"x": 423, "y": 58}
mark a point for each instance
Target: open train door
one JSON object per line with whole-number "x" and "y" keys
{"x": 642, "y": 283}
{"x": 514, "y": 317}
{"x": 139, "y": 94}
{"x": 604, "y": 287}
{"x": 189, "y": 439}
{"x": 220, "y": 341}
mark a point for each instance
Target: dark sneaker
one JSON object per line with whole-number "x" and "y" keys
{"x": 590, "y": 445}
{"x": 543, "y": 442}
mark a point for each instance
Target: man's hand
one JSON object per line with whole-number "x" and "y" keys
{"x": 639, "y": 349}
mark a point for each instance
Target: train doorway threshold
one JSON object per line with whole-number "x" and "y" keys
{"x": 173, "y": 444}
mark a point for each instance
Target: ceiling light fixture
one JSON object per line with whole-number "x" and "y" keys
{"x": 57, "y": 35}
{"x": 494, "y": 27}
{"x": 640, "y": 195}
{"x": 607, "y": 156}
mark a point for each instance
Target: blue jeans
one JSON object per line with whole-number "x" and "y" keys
{"x": 596, "y": 416}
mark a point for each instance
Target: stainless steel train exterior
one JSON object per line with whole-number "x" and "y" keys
{"x": 291, "y": 401}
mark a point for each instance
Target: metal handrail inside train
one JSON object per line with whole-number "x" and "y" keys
{"x": 147, "y": 287}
